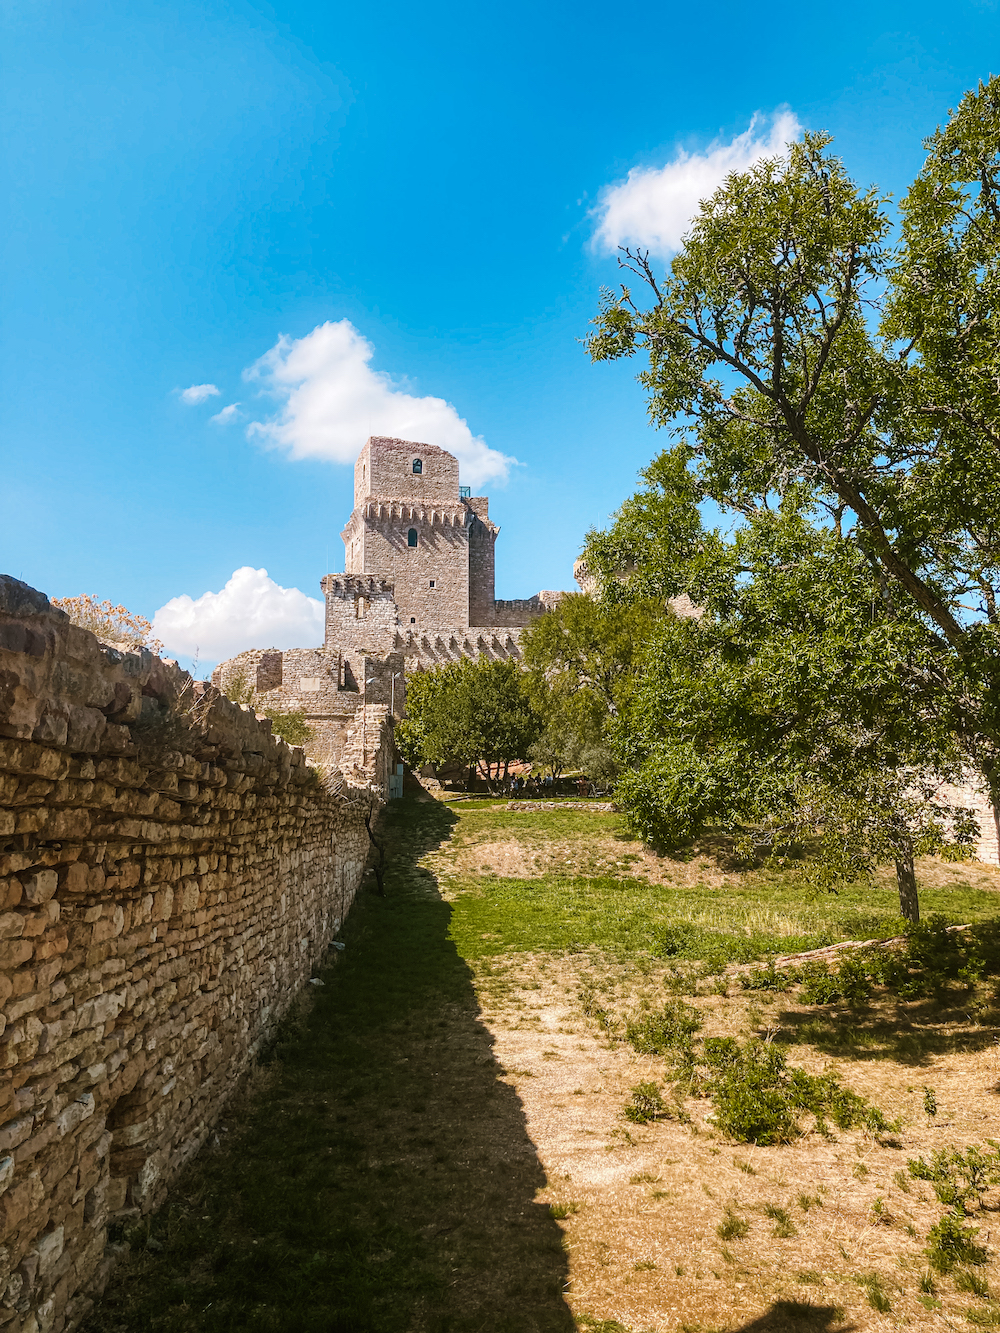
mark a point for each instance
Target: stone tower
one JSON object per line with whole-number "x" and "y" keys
{"x": 416, "y": 530}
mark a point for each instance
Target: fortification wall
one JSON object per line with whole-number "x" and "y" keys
{"x": 170, "y": 875}
{"x": 521, "y": 611}
{"x": 972, "y": 795}
{"x": 431, "y": 579}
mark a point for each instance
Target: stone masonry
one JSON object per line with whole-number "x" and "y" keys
{"x": 170, "y": 875}
{"x": 418, "y": 590}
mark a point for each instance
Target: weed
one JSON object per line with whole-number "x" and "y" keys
{"x": 984, "y": 1318}
{"x": 644, "y": 1178}
{"x": 958, "y": 1178}
{"x": 807, "y": 1201}
{"x": 644, "y": 1266}
{"x": 860, "y": 1171}
{"x": 952, "y": 1243}
{"x": 930, "y": 1101}
{"x": 967, "y": 1280}
{"x": 902, "y": 1181}
{"x": 875, "y": 1292}
{"x": 745, "y": 1167}
{"x": 768, "y": 978}
{"x": 732, "y": 1226}
{"x": 670, "y": 1030}
{"x": 819, "y": 984}
{"x": 809, "y": 1278}
{"x": 647, "y": 1103}
{"x": 783, "y": 1227}
{"x": 560, "y": 1211}
{"x": 758, "y": 1099}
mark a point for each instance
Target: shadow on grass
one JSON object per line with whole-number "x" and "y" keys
{"x": 791, "y": 1316}
{"x": 909, "y": 1035}
{"x": 379, "y": 1177}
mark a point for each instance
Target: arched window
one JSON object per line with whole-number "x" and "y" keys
{"x": 418, "y": 466}
{"x": 411, "y": 537}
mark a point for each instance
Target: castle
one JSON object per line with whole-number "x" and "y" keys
{"x": 418, "y": 589}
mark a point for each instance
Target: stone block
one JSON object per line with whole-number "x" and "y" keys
{"x": 40, "y": 887}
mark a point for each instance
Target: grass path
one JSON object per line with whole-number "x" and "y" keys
{"x": 378, "y": 1175}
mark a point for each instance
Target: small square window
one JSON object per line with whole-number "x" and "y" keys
{"x": 413, "y": 620}
{"x": 432, "y": 583}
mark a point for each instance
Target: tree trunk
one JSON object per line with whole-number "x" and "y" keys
{"x": 906, "y": 882}
{"x": 989, "y": 770}
{"x": 378, "y": 865}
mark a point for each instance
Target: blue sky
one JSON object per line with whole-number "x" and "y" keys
{"x": 187, "y": 183}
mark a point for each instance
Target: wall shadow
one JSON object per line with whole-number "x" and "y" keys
{"x": 378, "y": 1175}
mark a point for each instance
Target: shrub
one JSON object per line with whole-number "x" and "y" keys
{"x": 758, "y": 1099}
{"x": 646, "y": 1104}
{"x": 951, "y": 1243}
{"x": 115, "y": 624}
{"x": 671, "y": 1029}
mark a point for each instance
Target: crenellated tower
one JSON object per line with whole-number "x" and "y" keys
{"x": 414, "y": 527}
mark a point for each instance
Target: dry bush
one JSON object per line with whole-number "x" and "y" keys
{"x": 116, "y": 624}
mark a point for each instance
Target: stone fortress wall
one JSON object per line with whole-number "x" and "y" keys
{"x": 418, "y": 590}
{"x": 170, "y": 875}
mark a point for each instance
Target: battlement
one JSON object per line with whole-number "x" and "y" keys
{"x": 355, "y": 585}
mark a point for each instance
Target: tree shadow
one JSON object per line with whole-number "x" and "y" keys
{"x": 793, "y": 1316}
{"x": 907, "y": 1033}
{"x": 379, "y": 1177}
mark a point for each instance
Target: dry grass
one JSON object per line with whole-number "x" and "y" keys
{"x": 644, "y": 1247}
{"x": 648, "y": 1201}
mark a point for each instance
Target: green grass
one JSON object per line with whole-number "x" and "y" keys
{"x": 754, "y": 917}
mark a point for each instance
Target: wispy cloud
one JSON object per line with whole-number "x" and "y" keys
{"x": 330, "y": 401}
{"x": 251, "y": 611}
{"x": 197, "y": 393}
{"x": 227, "y": 414}
{"x": 653, "y": 205}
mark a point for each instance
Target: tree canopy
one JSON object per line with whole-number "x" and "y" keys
{"x": 582, "y": 658}
{"x": 468, "y": 712}
{"x": 836, "y": 385}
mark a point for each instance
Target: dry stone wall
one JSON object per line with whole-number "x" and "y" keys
{"x": 170, "y": 875}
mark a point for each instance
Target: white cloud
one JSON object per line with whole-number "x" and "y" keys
{"x": 653, "y": 205}
{"x": 227, "y": 414}
{"x": 251, "y": 611}
{"x": 331, "y": 401}
{"x": 197, "y": 393}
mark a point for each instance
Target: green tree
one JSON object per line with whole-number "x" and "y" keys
{"x": 471, "y": 712}
{"x": 810, "y": 363}
{"x": 790, "y": 709}
{"x": 582, "y": 657}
